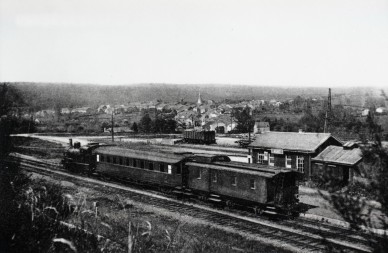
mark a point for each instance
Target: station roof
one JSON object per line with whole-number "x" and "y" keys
{"x": 339, "y": 155}
{"x": 141, "y": 154}
{"x": 291, "y": 141}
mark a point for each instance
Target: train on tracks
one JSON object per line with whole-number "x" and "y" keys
{"x": 199, "y": 137}
{"x": 208, "y": 177}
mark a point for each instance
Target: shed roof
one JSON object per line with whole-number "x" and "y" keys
{"x": 305, "y": 142}
{"x": 269, "y": 174}
{"x": 339, "y": 155}
{"x": 141, "y": 154}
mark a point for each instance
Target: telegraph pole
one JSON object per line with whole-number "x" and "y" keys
{"x": 328, "y": 111}
{"x": 112, "y": 131}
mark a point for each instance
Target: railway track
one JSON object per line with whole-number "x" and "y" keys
{"x": 300, "y": 234}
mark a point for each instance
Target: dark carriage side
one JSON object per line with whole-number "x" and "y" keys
{"x": 263, "y": 190}
{"x": 143, "y": 167}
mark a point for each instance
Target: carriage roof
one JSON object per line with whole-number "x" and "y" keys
{"x": 250, "y": 170}
{"x": 141, "y": 154}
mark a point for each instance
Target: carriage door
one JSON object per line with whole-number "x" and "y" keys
{"x": 185, "y": 175}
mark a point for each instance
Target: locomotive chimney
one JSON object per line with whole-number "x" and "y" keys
{"x": 71, "y": 143}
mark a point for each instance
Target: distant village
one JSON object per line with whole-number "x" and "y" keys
{"x": 203, "y": 114}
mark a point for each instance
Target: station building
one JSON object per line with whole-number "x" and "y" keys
{"x": 290, "y": 150}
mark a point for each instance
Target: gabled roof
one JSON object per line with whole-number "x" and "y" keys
{"x": 291, "y": 141}
{"x": 339, "y": 155}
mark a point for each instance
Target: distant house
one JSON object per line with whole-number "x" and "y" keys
{"x": 82, "y": 110}
{"x": 65, "y": 111}
{"x": 381, "y": 110}
{"x": 290, "y": 150}
{"x": 45, "y": 113}
{"x": 337, "y": 162}
{"x": 121, "y": 129}
{"x": 365, "y": 112}
{"x": 219, "y": 127}
{"x": 261, "y": 127}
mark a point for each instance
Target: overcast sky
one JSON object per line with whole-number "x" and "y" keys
{"x": 289, "y": 43}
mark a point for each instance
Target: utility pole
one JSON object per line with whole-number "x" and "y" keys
{"x": 328, "y": 111}
{"x": 112, "y": 131}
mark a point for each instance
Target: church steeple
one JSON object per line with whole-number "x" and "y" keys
{"x": 199, "y": 102}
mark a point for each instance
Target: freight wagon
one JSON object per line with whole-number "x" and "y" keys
{"x": 200, "y": 137}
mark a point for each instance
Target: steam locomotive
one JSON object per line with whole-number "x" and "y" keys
{"x": 213, "y": 178}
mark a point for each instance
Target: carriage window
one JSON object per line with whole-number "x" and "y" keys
{"x": 214, "y": 177}
{"x": 271, "y": 159}
{"x": 134, "y": 163}
{"x": 108, "y": 159}
{"x": 161, "y": 167}
{"x": 179, "y": 170}
{"x": 234, "y": 180}
{"x": 127, "y": 162}
{"x": 120, "y": 161}
{"x": 97, "y": 158}
{"x": 151, "y": 166}
{"x": 114, "y": 159}
{"x": 260, "y": 158}
{"x": 102, "y": 158}
{"x": 169, "y": 167}
{"x": 300, "y": 163}
{"x": 199, "y": 174}
{"x": 142, "y": 164}
{"x": 252, "y": 184}
{"x": 288, "y": 161}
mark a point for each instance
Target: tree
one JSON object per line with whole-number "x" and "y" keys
{"x": 134, "y": 127}
{"x": 244, "y": 119}
{"x": 354, "y": 202}
{"x": 145, "y": 125}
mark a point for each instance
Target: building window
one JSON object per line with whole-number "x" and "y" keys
{"x": 214, "y": 177}
{"x": 97, "y": 158}
{"x": 260, "y": 158}
{"x": 252, "y": 184}
{"x": 288, "y": 161}
{"x": 300, "y": 164}
{"x": 114, "y": 159}
{"x": 121, "y": 161}
{"x": 234, "y": 180}
{"x": 271, "y": 159}
{"x": 161, "y": 167}
{"x": 134, "y": 163}
{"x": 151, "y": 166}
{"x": 108, "y": 159}
{"x": 169, "y": 169}
{"x": 102, "y": 158}
{"x": 127, "y": 162}
{"x": 142, "y": 164}
{"x": 199, "y": 174}
{"x": 179, "y": 170}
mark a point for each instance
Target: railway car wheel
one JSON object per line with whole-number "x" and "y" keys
{"x": 258, "y": 211}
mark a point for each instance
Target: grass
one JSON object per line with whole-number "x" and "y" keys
{"x": 108, "y": 213}
{"x": 38, "y": 148}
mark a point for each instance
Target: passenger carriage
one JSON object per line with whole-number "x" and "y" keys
{"x": 151, "y": 168}
{"x": 262, "y": 189}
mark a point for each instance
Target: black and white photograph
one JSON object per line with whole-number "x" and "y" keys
{"x": 193, "y": 126}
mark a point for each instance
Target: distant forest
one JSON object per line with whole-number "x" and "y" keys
{"x": 54, "y": 95}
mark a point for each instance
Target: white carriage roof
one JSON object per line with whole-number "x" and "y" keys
{"x": 140, "y": 154}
